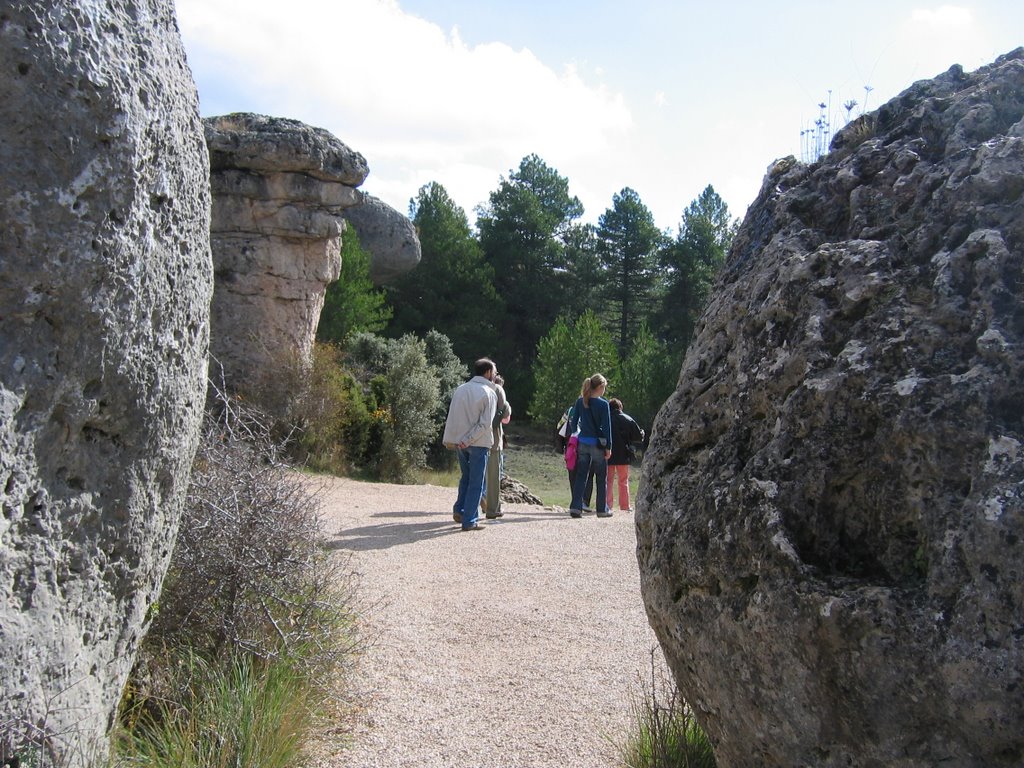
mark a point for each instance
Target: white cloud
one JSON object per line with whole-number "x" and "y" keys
{"x": 945, "y": 16}
{"x": 409, "y": 96}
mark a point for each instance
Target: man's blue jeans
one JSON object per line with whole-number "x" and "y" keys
{"x": 473, "y": 463}
{"x": 587, "y": 457}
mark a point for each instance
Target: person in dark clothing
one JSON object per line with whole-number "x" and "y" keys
{"x": 625, "y": 432}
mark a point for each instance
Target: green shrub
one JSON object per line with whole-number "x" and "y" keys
{"x": 410, "y": 380}
{"x": 450, "y": 373}
{"x": 410, "y": 394}
{"x": 332, "y": 416}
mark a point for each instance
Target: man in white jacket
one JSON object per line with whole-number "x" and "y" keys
{"x": 468, "y": 430}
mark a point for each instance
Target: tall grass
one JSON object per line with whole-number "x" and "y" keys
{"x": 249, "y": 714}
{"x": 665, "y": 733}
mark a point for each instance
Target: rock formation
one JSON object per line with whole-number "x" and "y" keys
{"x": 831, "y": 522}
{"x": 388, "y": 236}
{"x": 516, "y": 492}
{"x": 105, "y": 283}
{"x": 280, "y": 188}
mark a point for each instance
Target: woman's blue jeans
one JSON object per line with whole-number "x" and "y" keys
{"x": 587, "y": 457}
{"x": 473, "y": 463}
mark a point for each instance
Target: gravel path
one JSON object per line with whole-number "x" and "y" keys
{"x": 517, "y": 646}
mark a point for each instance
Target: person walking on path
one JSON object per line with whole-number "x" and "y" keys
{"x": 592, "y": 416}
{"x": 468, "y": 429}
{"x": 625, "y": 431}
{"x": 496, "y": 457}
{"x": 568, "y": 445}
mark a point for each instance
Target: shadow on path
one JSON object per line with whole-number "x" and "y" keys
{"x": 404, "y": 530}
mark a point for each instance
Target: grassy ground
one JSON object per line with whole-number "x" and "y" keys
{"x": 531, "y": 459}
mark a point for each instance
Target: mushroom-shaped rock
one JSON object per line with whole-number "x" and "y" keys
{"x": 279, "y": 188}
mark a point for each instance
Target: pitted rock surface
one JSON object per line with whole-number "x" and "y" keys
{"x": 388, "y": 236}
{"x": 105, "y": 284}
{"x": 831, "y": 521}
{"x": 271, "y": 145}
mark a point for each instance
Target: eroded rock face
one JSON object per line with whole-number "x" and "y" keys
{"x": 831, "y": 522}
{"x": 279, "y": 187}
{"x": 105, "y": 283}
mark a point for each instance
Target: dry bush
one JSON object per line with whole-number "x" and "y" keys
{"x": 250, "y": 574}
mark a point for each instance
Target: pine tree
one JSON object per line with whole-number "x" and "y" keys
{"x": 649, "y": 375}
{"x": 452, "y": 289}
{"x": 352, "y": 304}
{"x": 691, "y": 264}
{"x": 628, "y": 245}
{"x": 523, "y": 231}
{"x": 565, "y": 356}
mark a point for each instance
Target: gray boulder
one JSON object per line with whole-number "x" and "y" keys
{"x": 388, "y": 236}
{"x": 831, "y": 520}
{"x": 105, "y": 284}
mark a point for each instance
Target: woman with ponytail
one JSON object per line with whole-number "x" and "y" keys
{"x": 593, "y": 417}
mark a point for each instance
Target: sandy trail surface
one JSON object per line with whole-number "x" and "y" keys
{"x": 519, "y": 645}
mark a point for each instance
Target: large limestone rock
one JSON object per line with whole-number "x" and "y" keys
{"x": 831, "y": 525}
{"x": 105, "y": 283}
{"x": 279, "y": 187}
{"x": 388, "y": 236}
{"x": 282, "y": 191}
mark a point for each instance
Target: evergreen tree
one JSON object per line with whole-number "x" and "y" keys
{"x": 565, "y": 356}
{"x": 352, "y": 304}
{"x": 691, "y": 263}
{"x": 584, "y": 272}
{"x": 523, "y": 229}
{"x": 649, "y": 375}
{"x": 452, "y": 289}
{"x": 629, "y": 242}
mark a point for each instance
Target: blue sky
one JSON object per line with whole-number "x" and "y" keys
{"x": 663, "y": 97}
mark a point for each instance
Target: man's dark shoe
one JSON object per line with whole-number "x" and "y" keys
{"x": 604, "y": 514}
{"x": 575, "y": 513}
{"x": 456, "y": 517}
{"x": 496, "y": 516}
{"x": 474, "y": 527}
